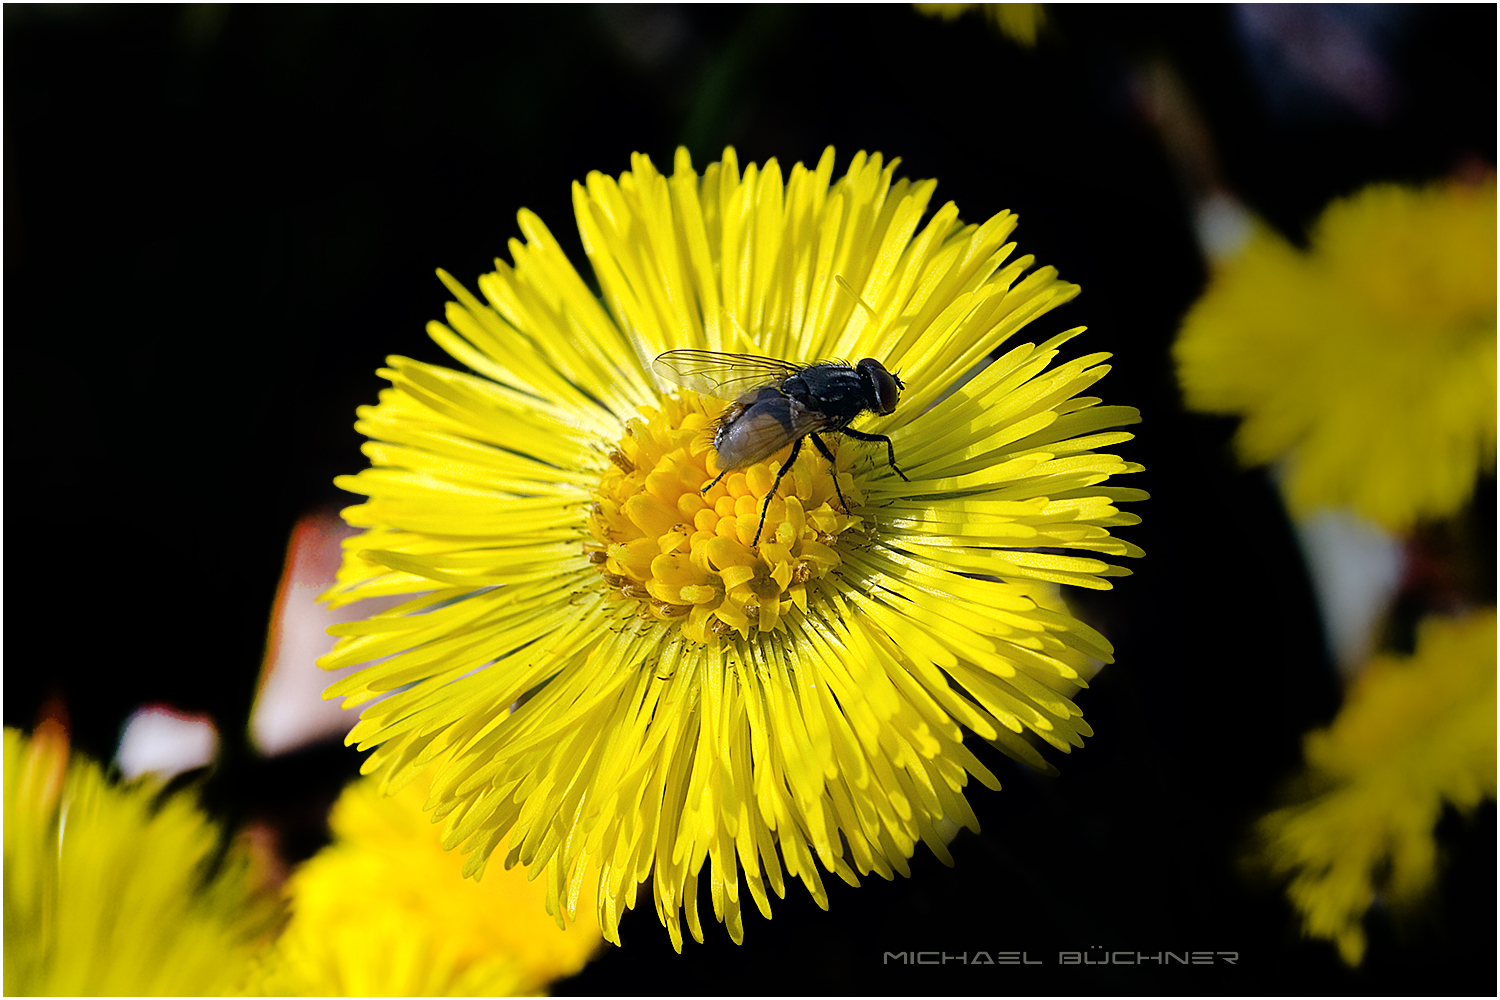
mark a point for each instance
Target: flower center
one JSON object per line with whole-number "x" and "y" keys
{"x": 687, "y": 556}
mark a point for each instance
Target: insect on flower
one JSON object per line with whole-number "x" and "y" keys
{"x": 776, "y": 403}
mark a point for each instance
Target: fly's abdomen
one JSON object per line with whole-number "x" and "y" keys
{"x": 756, "y": 426}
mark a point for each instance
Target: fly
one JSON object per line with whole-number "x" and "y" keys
{"x": 777, "y": 403}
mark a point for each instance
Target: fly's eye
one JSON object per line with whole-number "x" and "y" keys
{"x": 887, "y": 387}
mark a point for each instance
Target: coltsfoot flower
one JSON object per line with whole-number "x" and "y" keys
{"x": 627, "y": 686}
{"x": 383, "y": 911}
{"x": 116, "y": 891}
{"x": 1020, "y": 22}
{"x": 1417, "y": 732}
{"x": 1367, "y": 362}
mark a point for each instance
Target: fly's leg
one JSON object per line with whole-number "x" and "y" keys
{"x": 766, "y": 503}
{"x": 832, "y": 470}
{"x": 721, "y": 475}
{"x": 890, "y": 449}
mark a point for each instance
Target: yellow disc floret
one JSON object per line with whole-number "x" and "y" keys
{"x": 687, "y": 555}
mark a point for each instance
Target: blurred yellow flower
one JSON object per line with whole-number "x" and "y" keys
{"x": 1020, "y": 22}
{"x": 625, "y": 682}
{"x": 1417, "y": 732}
{"x": 116, "y": 891}
{"x": 385, "y": 911}
{"x": 1368, "y": 360}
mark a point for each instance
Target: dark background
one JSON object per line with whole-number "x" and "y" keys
{"x": 219, "y": 221}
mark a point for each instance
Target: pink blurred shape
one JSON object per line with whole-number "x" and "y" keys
{"x": 289, "y": 708}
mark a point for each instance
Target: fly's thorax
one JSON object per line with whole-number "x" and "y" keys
{"x": 687, "y": 557}
{"x": 838, "y": 392}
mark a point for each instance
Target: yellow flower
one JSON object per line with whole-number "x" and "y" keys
{"x": 110, "y": 892}
{"x": 1416, "y": 732}
{"x": 625, "y": 684}
{"x": 1020, "y": 22}
{"x": 384, "y": 910}
{"x": 1367, "y": 360}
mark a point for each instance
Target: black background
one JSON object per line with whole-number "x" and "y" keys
{"x": 218, "y": 221}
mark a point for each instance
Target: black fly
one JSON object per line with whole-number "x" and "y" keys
{"x": 776, "y": 403}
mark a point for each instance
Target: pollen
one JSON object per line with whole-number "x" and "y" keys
{"x": 687, "y": 556}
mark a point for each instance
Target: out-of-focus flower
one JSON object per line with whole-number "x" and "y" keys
{"x": 163, "y": 742}
{"x": 385, "y": 910}
{"x": 1020, "y": 22}
{"x": 113, "y": 891}
{"x": 1367, "y": 362}
{"x": 626, "y": 684}
{"x": 1417, "y": 732}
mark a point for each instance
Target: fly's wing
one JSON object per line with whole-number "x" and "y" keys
{"x": 752, "y": 431}
{"x": 727, "y": 376}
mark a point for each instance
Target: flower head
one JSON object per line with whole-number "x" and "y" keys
{"x": 1020, "y": 22}
{"x": 110, "y": 892}
{"x": 626, "y": 684}
{"x": 1416, "y": 733}
{"x": 1368, "y": 360}
{"x": 383, "y": 911}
